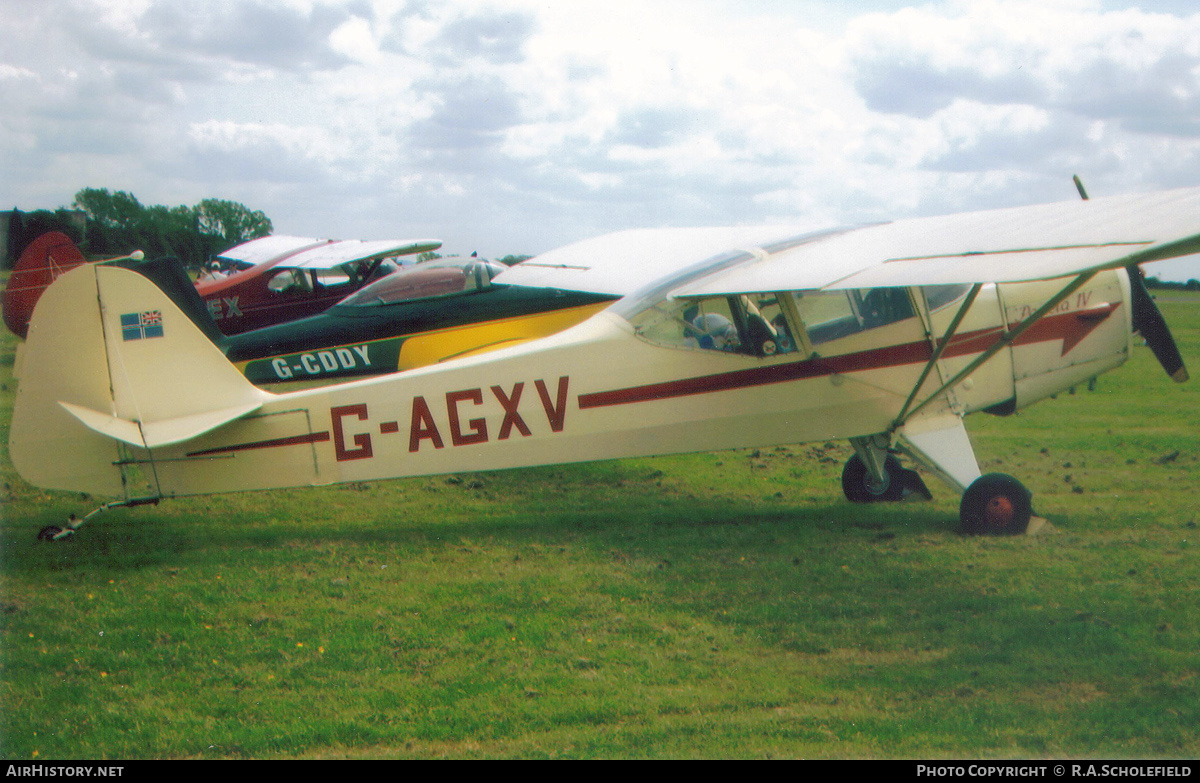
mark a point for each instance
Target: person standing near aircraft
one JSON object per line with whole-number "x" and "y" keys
{"x": 214, "y": 272}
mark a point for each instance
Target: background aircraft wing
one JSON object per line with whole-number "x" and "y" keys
{"x": 996, "y": 246}
{"x": 256, "y": 251}
{"x": 334, "y": 254}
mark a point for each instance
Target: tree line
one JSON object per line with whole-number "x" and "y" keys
{"x": 1172, "y": 285}
{"x": 117, "y": 223}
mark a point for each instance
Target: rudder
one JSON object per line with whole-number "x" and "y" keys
{"x": 111, "y": 360}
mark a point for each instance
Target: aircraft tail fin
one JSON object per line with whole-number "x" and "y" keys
{"x": 110, "y": 357}
{"x": 169, "y": 275}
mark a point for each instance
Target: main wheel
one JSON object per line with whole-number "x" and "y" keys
{"x": 996, "y": 504}
{"x": 859, "y": 487}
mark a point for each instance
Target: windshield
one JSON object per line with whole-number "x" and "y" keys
{"x": 751, "y": 324}
{"x": 427, "y": 280}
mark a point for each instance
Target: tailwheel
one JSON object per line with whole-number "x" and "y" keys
{"x": 59, "y": 532}
{"x": 996, "y": 504}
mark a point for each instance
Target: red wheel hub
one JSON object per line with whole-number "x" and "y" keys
{"x": 998, "y": 513}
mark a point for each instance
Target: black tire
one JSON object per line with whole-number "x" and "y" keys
{"x": 856, "y": 483}
{"x": 996, "y": 504}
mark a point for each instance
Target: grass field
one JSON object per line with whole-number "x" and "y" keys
{"x": 725, "y": 605}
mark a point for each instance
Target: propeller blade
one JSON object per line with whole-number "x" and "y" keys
{"x": 1149, "y": 323}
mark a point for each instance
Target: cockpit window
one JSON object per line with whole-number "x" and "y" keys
{"x": 752, "y": 325}
{"x": 290, "y": 281}
{"x": 767, "y": 328}
{"x": 830, "y": 315}
{"x": 325, "y": 281}
{"x": 938, "y": 296}
{"x": 427, "y": 280}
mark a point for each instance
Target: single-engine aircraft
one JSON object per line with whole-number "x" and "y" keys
{"x": 265, "y": 281}
{"x": 281, "y": 278}
{"x": 885, "y": 335}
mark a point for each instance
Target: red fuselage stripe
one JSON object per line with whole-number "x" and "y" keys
{"x": 314, "y": 437}
{"x": 1059, "y": 327}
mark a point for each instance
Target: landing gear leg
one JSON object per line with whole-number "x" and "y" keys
{"x": 873, "y": 475}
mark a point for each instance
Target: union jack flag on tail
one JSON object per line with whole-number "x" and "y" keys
{"x": 144, "y": 325}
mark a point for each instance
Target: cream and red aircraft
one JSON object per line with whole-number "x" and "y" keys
{"x": 885, "y": 335}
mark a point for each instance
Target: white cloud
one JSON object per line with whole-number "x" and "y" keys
{"x": 13, "y": 72}
{"x": 355, "y": 39}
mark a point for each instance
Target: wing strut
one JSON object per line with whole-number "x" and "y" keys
{"x": 938, "y": 351}
{"x": 1006, "y": 339}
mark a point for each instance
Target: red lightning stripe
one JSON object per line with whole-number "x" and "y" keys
{"x": 1069, "y": 327}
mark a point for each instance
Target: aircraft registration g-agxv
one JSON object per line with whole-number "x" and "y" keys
{"x": 886, "y": 335}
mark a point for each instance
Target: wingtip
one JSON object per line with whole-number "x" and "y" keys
{"x": 1180, "y": 375}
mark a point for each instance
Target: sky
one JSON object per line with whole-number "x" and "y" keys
{"x": 516, "y": 126}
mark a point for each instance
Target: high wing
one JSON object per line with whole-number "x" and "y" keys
{"x": 268, "y": 248}
{"x": 622, "y": 262}
{"x": 997, "y": 246}
{"x": 334, "y": 254}
{"x": 310, "y": 253}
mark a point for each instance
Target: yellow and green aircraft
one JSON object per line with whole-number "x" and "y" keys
{"x": 419, "y": 315}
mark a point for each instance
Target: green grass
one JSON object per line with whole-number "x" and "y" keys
{"x": 724, "y": 605}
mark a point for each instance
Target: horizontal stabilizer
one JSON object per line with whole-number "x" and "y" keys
{"x": 157, "y": 433}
